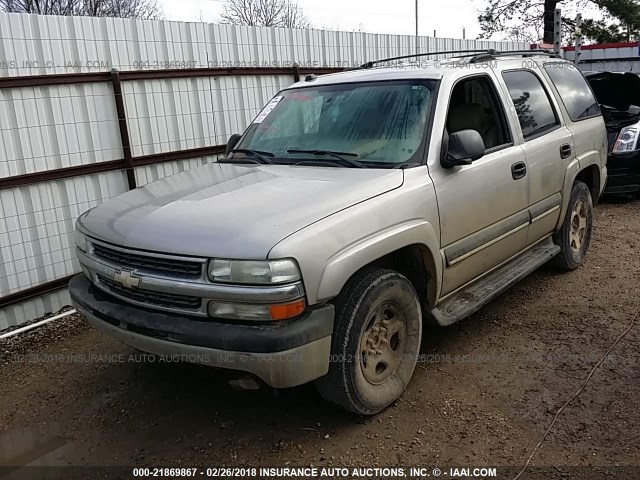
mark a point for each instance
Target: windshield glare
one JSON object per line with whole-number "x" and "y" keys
{"x": 382, "y": 122}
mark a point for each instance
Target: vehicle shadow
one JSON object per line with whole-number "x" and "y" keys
{"x": 179, "y": 399}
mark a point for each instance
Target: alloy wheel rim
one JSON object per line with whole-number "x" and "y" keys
{"x": 578, "y": 231}
{"x": 383, "y": 343}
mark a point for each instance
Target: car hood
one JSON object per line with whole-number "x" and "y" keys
{"x": 617, "y": 90}
{"x": 232, "y": 211}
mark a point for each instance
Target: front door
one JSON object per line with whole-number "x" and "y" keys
{"x": 483, "y": 207}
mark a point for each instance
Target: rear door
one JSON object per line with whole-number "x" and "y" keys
{"x": 548, "y": 147}
{"x": 584, "y": 119}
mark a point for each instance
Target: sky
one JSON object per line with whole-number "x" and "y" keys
{"x": 447, "y": 17}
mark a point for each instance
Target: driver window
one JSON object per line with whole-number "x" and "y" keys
{"x": 474, "y": 106}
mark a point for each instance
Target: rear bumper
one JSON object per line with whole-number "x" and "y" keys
{"x": 284, "y": 355}
{"x": 624, "y": 173}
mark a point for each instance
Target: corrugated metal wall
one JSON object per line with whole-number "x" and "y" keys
{"x": 50, "y": 127}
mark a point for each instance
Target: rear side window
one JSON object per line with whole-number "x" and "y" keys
{"x": 535, "y": 113}
{"x": 574, "y": 91}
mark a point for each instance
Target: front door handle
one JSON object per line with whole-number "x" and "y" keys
{"x": 565, "y": 151}
{"x": 518, "y": 170}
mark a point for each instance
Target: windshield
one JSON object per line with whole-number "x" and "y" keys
{"x": 373, "y": 123}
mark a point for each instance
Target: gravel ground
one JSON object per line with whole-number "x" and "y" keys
{"x": 484, "y": 393}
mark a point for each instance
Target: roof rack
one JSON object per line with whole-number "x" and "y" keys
{"x": 475, "y": 54}
{"x": 521, "y": 53}
{"x": 371, "y": 63}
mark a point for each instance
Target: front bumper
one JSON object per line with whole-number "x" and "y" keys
{"x": 623, "y": 173}
{"x": 285, "y": 354}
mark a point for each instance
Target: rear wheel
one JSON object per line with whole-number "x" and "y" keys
{"x": 376, "y": 341}
{"x": 574, "y": 238}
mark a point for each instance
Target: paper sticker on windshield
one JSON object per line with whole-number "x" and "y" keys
{"x": 268, "y": 109}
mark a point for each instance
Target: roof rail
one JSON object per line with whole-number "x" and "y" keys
{"x": 521, "y": 53}
{"x": 482, "y": 54}
{"x": 371, "y": 63}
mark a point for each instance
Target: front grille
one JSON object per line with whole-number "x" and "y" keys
{"x": 163, "y": 266}
{"x": 153, "y": 299}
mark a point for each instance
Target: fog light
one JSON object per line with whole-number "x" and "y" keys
{"x": 248, "y": 311}
{"x": 239, "y": 311}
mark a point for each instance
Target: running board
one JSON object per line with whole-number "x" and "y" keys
{"x": 474, "y": 296}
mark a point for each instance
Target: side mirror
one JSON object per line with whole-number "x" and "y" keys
{"x": 465, "y": 146}
{"x": 231, "y": 144}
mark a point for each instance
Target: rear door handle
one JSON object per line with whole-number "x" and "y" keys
{"x": 565, "y": 151}
{"x": 518, "y": 170}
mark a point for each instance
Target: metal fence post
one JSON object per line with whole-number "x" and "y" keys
{"x": 578, "y": 34}
{"x": 557, "y": 31}
{"x": 296, "y": 72}
{"x": 124, "y": 130}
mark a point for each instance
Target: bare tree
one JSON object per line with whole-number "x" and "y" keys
{"x": 264, "y": 13}
{"x": 294, "y": 17}
{"x": 143, "y": 9}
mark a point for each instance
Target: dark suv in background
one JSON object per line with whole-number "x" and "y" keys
{"x": 619, "y": 97}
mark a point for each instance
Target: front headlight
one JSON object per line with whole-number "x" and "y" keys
{"x": 253, "y": 272}
{"x": 627, "y": 139}
{"x": 81, "y": 240}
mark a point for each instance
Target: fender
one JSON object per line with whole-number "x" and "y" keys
{"x": 342, "y": 265}
{"x": 578, "y": 165}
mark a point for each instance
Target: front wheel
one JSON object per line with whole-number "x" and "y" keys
{"x": 574, "y": 238}
{"x": 375, "y": 344}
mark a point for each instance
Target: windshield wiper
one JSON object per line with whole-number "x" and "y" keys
{"x": 339, "y": 155}
{"x": 259, "y": 156}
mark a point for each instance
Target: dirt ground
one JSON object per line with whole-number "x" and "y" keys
{"x": 484, "y": 393}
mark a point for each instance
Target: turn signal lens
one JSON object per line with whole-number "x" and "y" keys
{"x": 287, "y": 310}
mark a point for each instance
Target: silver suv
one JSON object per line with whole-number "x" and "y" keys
{"x": 355, "y": 209}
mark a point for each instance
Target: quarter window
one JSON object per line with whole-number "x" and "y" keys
{"x": 535, "y": 113}
{"x": 574, "y": 90}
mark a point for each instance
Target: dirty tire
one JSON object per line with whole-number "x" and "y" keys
{"x": 371, "y": 368}
{"x": 574, "y": 237}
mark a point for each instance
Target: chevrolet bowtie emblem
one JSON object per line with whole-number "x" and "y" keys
{"x": 126, "y": 279}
